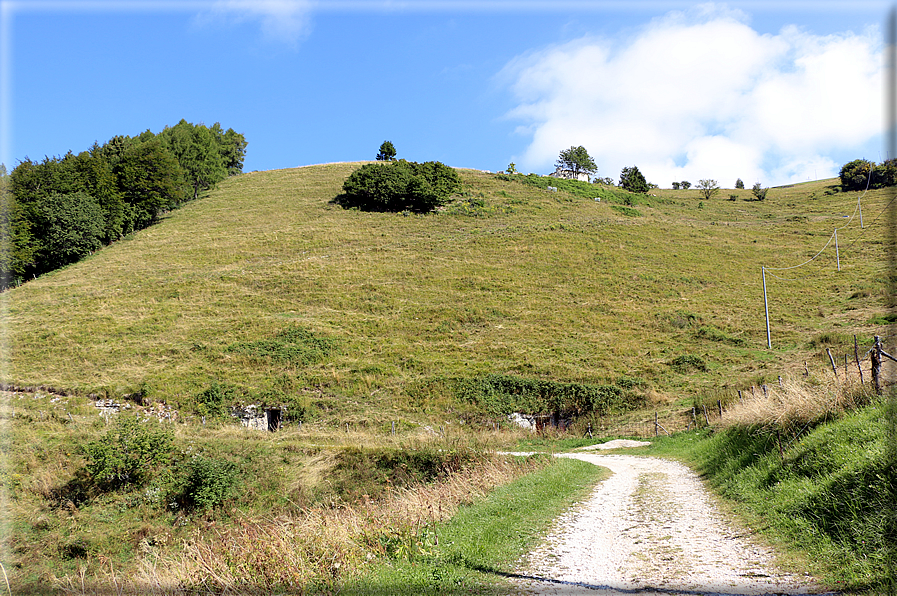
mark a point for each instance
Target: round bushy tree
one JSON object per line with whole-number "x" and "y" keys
{"x": 72, "y": 226}
{"x": 577, "y": 160}
{"x": 855, "y": 174}
{"x": 401, "y": 185}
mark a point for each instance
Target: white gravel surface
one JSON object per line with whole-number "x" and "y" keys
{"x": 651, "y": 528}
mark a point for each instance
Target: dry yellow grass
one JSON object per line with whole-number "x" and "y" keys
{"x": 320, "y": 547}
{"x": 797, "y": 403}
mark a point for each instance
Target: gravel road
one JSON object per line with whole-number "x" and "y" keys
{"x": 651, "y": 528}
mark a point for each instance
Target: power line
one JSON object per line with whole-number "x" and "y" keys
{"x": 834, "y": 236}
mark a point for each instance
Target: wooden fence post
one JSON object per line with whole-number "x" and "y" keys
{"x": 832, "y": 360}
{"x": 719, "y": 404}
{"x": 856, "y": 354}
{"x": 875, "y": 356}
{"x": 706, "y": 417}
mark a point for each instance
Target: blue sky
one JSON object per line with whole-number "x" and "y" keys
{"x": 766, "y": 91}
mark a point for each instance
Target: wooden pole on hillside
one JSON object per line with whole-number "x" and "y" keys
{"x": 766, "y": 308}
{"x": 875, "y": 356}
{"x": 832, "y": 360}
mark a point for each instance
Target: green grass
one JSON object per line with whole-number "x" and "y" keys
{"x": 828, "y": 499}
{"x": 265, "y": 291}
{"x": 512, "y": 280}
{"x": 482, "y": 544}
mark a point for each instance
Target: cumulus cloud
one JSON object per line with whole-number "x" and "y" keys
{"x": 281, "y": 21}
{"x": 700, "y": 94}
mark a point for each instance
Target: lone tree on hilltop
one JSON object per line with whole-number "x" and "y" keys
{"x": 759, "y": 191}
{"x": 709, "y": 188}
{"x": 387, "y": 152}
{"x": 633, "y": 180}
{"x": 576, "y": 159}
{"x": 739, "y": 183}
{"x": 685, "y": 184}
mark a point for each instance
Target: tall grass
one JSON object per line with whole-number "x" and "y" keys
{"x": 796, "y": 403}
{"x": 316, "y": 549}
{"x": 814, "y": 467}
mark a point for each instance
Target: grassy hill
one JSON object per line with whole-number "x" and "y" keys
{"x": 265, "y": 290}
{"x": 268, "y": 288}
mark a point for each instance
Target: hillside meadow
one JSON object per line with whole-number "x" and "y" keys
{"x": 270, "y": 290}
{"x": 266, "y": 291}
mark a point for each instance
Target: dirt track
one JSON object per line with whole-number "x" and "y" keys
{"x": 651, "y": 528}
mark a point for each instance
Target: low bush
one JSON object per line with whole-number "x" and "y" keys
{"x": 400, "y": 186}
{"x": 687, "y": 363}
{"x": 208, "y": 483}
{"x": 294, "y": 345}
{"x": 129, "y": 453}
{"x": 215, "y": 401}
{"x": 504, "y": 394}
{"x": 369, "y": 473}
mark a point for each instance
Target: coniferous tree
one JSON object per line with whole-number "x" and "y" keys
{"x": 387, "y": 152}
{"x": 633, "y": 180}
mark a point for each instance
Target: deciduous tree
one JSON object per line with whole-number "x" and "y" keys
{"x": 709, "y": 188}
{"x": 401, "y": 185}
{"x": 576, "y": 159}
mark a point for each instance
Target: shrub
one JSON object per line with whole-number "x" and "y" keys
{"x": 688, "y": 362}
{"x": 739, "y": 183}
{"x": 209, "y": 482}
{"x": 855, "y": 174}
{"x": 709, "y": 188}
{"x": 214, "y": 400}
{"x": 129, "y": 453}
{"x": 400, "y": 185}
{"x": 504, "y": 394}
{"x": 759, "y": 192}
{"x": 294, "y": 345}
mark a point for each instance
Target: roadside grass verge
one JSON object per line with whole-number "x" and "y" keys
{"x": 480, "y": 546}
{"x": 825, "y": 494}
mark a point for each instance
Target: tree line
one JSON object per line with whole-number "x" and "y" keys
{"x": 59, "y": 210}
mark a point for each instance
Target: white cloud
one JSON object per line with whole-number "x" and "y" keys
{"x": 701, "y": 94}
{"x": 281, "y": 21}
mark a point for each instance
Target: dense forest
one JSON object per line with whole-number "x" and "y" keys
{"x": 59, "y": 210}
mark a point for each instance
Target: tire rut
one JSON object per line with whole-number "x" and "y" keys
{"x": 651, "y": 528}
